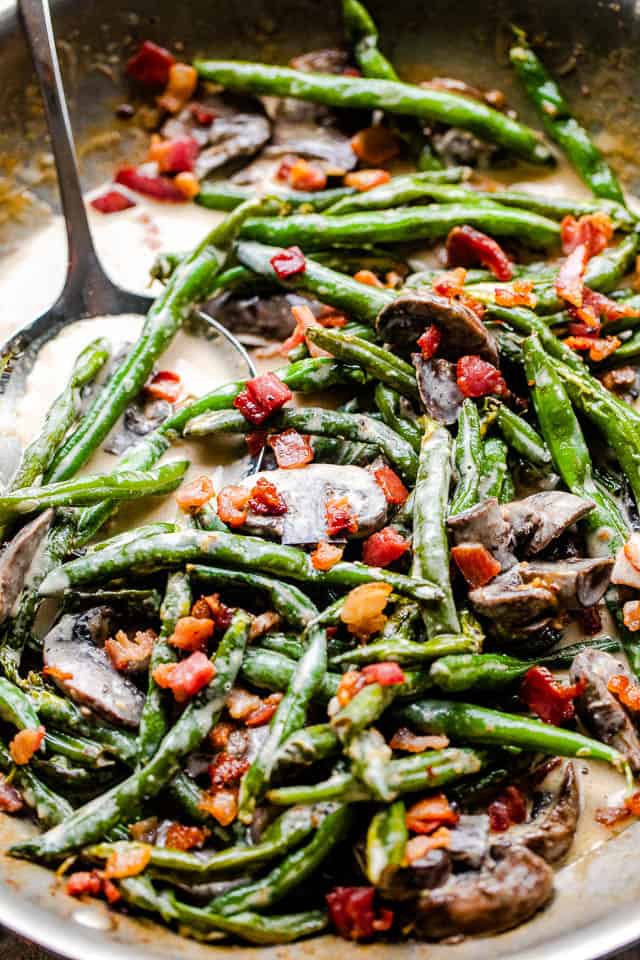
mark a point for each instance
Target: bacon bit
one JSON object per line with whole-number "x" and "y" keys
{"x": 410, "y": 742}
{"x": 83, "y": 882}
{"x": 545, "y": 697}
{"x": 306, "y": 176}
{"x": 192, "y": 633}
{"x": 150, "y": 65}
{"x": 181, "y": 86}
{"x": 625, "y": 690}
{"x": 203, "y": 116}
{"x": 291, "y": 449}
{"x": 362, "y": 611}
{"x": 508, "y": 807}
{"x": 584, "y": 330}
{"x": 477, "y": 378}
{"x": 288, "y": 263}
{"x": 263, "y": 623}
{"x": 130, "y": 655}
{"x": 10, "y": 799}
{"x": 595, "y": 306}
{"x": 305, "y": 319}
{"x": 620, "y": 380}
{"x": 384, "y": 547}
{"x": 569, "y": 282}
{"x": 284, "y": 169}
{"x": 387, "y": 673}
{"x": 25, "y": 744}
{"x": 266, "y": 500}
{"x": 240, "y": 703}
{"x": 159, "y": 188}
{"x": 187, "y": 677}
{"x": 325, "y": 556}
{"x": 181, "y": 837}
{"x": 188, "y": 185}
{"x": 451, "y": 285}
{"x": 593, "y": 230}
{"x": 222, "y": 806}
{"x": 599, "y": 348}
{"x": 256, "y": 441}
{"x": 519, "y": 294}
{"x": 391, "y": 485}
{"x": 419, "y": 846}
{"x": 611, "y": 816}
{"x": 232, "y": 505}
{"x": 364, "y": 180}
{"x": 219, "y": 612}
{"x": 427, "y": 815}
{"x": 164, "y": 385}
{"x": 467, "y": 246}
{"x": 589, "y": 619}
{"x": 173, "y": 156}
{"x": 351, "y": 683}
{"x": 632, "y": 804}
{"x": 219, "y": 736}
{"x": 339, "y": 516}
{"x": 112, "y": 201}
{"x": 264, "y": 713}
{"x": 353, "y": 914}
{"x": 429, "y": 342}
{"x": 226, "y": 771}
{"x": 195, "y": 494}
{"x": 331, "y": 318}
{"x": 261, "y": 397}
{"x": 56, "y": 673}
{"x": 368, "y": 277}
{"x": 475, "y": 563}
{"x": 127, "y": 862}
{"x": 145, "y": 831}
{"x": 632, "y": 551}
{"x": 631, "y": 615}
{"x": 375, "y": 146}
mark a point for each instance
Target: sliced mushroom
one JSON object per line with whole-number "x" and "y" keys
{"x": 403, "y": 883}
{"x": 469, "y": 841}
{"x": 257, "y": 319}
{"x": 600, "y": 711}
{"x": 16, "y": 559}
{"x": 542, "y": 517}
{"x": 485, "y": 523}
{"x": 73, "y": 650}
{"x": 509, "y": 889}
{"x": 306, "y": 492}
{"x": 141, "y": 417}
{"x": 439, "y": 391}
{"x": 577, "y": 583}
{"x": 403, "y": 320}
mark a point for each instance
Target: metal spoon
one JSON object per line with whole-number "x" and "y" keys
{"x": 88, "y": 291}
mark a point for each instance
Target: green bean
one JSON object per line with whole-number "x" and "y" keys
{"x": 287, "y": 600}
{"x": 76, "y": 748}
{"x": 494, "y": 469}
{"x": 252, "y": 926}
{"x": 428, "y": 105}
{"x": 289, "y": 717}
{"x": 221, "y": 195}
{"x": 403, "y": 624}
{"x": 268, "y": 670}
{"x": 334, "y": 450}
{"x": 409, "y": 651}
{"x": 520, "y": 435}
{"x": 468, "y": 458}
{"x": 308, "y": 746}
{"x": 561, "y": 126}
{"x": 628, "y": 637}
{"x": 121, "y": 539}
{"x": 364, "y": 709}
{"x": 470, "y": 723}
{"x": 370, "y": 755}
{"x": 397, "y": 414}
{"x": 379, "y": 363}
{"x": 49, "y": 808}
{"x": 386, "y": 842}
{"x": 559, "y": 207}
{"x": 400, "y": 191}
{"x": 174, "y": 549}
{"x": 91, "y": 822}
{"x": 16, "y": 708}
{"x": 430, "y": 543}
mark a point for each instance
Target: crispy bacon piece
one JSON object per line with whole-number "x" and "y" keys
{"x": 451, "y": 285}
{"x": 159, "y": 188}
{"x": 625, "y": 690}
{"x": 25, "y": 744}
{"x": 631, "y": 615}
{"x": 353, "y": 914}
{"x": 430, "y": 341}
{"x": 188, "y": 184}
{"x": 599, "y": 347}
{"x": 509, "y": 807}
{"x": 84, "y": 882}
{"x": 127, "y": 862}
{"x": 619, "y": 380}
{"x": 195, "y": 494}
{"x": 263, "y": 623}
{"x": 475, "y": 563}
{"x": 339, "y": 516}
{"x": 173, "y": 156}
{"x": 222, "y": 806}
{"x": 368, "y": 277}
{"x": 112, "y": 201}
{"x": 410, "y": 742}
{"x": 164, "y": 385}
{"x": 364, "y": 180}
{"x": 150, "y": 65}
{"x": 130, "y": 655}
{"x": 192, "y": 633}
{"x": 187, "y": 677}
{"x": 519, "y": 294}
{"x": 10, "y": 798}
{"x": 419, "y": 846}
{"x": 593, "y": 230}
{"x": 181, "y": 837}
{"x": 261, "y": 397}
{"x": 391, "y": 485}
{"x": 226, "y": 771}
{"x": 181, "y": 86}
{"x": 266, "y": 500}
{"x": 467, "y": 247}
{"x": 203, "y": 115}
{"x": 427, "y": 815}
{"x": 545, "y": 697}
{"x": 306, "y": 176}
{"x": 570, "y": 280}
{"x": 384, "y": 547}
{"x": 387, "y": 673}
{"x": 362, "y": 611}
{"x": 305, "y": 318}
{"x": 325, "y": 556}
{"x": 240, "y": 703}
{"x": 288, "y": 263}
{"x": 264, "y": 713}
{"x": 351, "y": 683}
{"x": 232, "y": 505}
{"x": 478, "y": 378}
{"x": 291, "y": 449}
{"x": 375, "y": 146}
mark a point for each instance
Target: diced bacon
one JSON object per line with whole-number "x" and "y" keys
{"x": 589, "y": 619}
{"x": 291, "y": 449}
{"x": 193, "y": 495}
{"x": 159, "y": 188}
{"x": 181, "y": 837}
{"x": 451, "y": 285}
{"x": 112, "y": 201}
{"x": 222, "y": 806}
{"x": 387, "y": 673}
{"x": 410, "y": 742}
{"x": 599, "y": 347}
{"x": 467, "y": 247}
{"x": 519, "y": 294}
{"x": 340, "y": 516}
{"x": 625, "y": 690}
{"x": 593, "y": 230}
{"x": 10, "y": 799}
{"x": 232, "y": 505}
{"x": 631, "y": 615}
{"x": 427, "y": 815}
{"x": 475, "y": 563}
{"x": 626, "y": 569}
{"x": 261, "y": 397}
{"x": 419, "y": 846}
{"x": 263, "y": 623}
{"x": 429, "y": 342}
{"x": 288, "y": 263}
{"x": 545, "y": 697}
{"x": 264, "y": 713}
{"x": 150, "y": 65}
{"x": 362, "y": 611}
{"x": 353, "y": 914}
{"x": 325, "y": 556}
{"x": 187, "y": 677}
{"x": 384, "y": 547}
{"x": 391, "y": 485}
{"x": 350, "y": 684}
{"x": 84, "y": 883}
{"x": 305, "y": 319}
{"x": 256, "y": 441}
{"x": 240, "y": 703}
{"x": 375, "y": 146}
{"x": 226, "y": 770}
{"x": 220, "y": 613}
{"x": 192, "y": 633}
{"x": 266, "y": 500}
{"x": 306, "y": 176}
{"x": 164, "y": 385}
{"x": 368, "y": 277}
{"x": 130, "y": 655}
{"x": 478, "y": 378}
{"x": 364, "y": 180}
{"x": 127, "y": 861}
{"x": 181, "y": 85}
{"x": 173, "y": 156}
{"x": 570, "y": 280}
{"x": 204, "y": 116}
{"x": 188, "y": 184}
{"x": 25, "y": 744}
{"x": 509, "y": 807}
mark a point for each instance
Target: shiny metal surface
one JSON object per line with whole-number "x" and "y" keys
{"x": 595, "y": 910}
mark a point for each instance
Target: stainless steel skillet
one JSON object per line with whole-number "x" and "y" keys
{"x": 595, "y": 912}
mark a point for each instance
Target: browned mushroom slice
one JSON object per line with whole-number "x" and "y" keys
{"x": 508, "y": 890}
{"x": 17, "y": 557}
{"x": 403, "y": 320}
{"x": 576, "y": 583}
{"x": 439, "y": 391}
{"x": 540, "y": 518}
{"x": 599, "y": 710}
{"x": 402, "y": 883}
{"x": 469, "y": 841}
{"x": 485, "y": 524}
